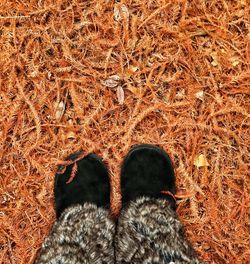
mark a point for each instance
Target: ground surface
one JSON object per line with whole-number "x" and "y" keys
{"x": 181, "y": 81}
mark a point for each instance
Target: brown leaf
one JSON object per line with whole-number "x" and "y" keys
{"x": 200, "y": 161}
{"x": 214, "y": 62}
{"x": 133, "y": 68}
{"x": 71, "y": 135}
{"x": 120, "y": 12}
{"x": 200, "y": 95}
{"x": 120, "y": 95}
{"x": 235, "y": 61}
{"x": 60, "y": 110}
{"x": 112, "y": 81}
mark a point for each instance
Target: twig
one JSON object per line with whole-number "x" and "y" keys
{"x": 14, "y": 17}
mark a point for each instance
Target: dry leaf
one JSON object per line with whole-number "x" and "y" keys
{"x": 218, "y": 98}
{"x": 133, "y": 68}
{"x": 70, "y": 121}
{"x": 49, "y": 75}
{"x": 112, "y": 81}
{"x": 60, "y": 110}
{"x": 200, "y": 32}
{"x": 180, "y": 94}
{"x": 200, "y": 95}
{"x": 33, "y": 74}
{"x": 235, "y": 61}
{"x": 215, "y": 59}
{"x": 120, "y": 95}
{"x": 200, "y": 161}
{"x": 120, "y": 12}
{"x": 71, "y": 135}
{"x": 130, "y": 71}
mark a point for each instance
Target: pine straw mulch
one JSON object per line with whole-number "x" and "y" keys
{"x": 183, "y": 67}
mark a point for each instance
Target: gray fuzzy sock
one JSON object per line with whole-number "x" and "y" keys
{"x": 83, "y": 234}
{"x": 149, "y": 231}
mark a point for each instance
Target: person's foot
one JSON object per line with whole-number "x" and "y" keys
{"x": 147, "y": 171}
{"x": 89, "y": 183}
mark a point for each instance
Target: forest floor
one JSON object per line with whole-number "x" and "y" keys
{"x": 102, "y": 76}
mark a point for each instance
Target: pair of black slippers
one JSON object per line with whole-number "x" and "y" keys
{"x": 146, "y": 171}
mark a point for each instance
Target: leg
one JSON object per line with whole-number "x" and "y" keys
{"x": 83, "y": 234}
{"x": 84, "y": 231}
{"x": 150, "y": 232}
{"x": 148, "y": 229}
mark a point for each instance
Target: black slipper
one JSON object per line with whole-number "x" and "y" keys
{"x": 90, "y": 183}
{"x": 147, "y": 171}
